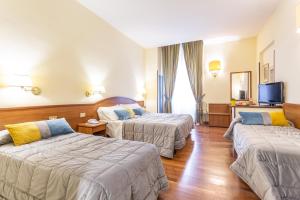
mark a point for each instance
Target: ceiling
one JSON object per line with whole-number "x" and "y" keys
{"x": 153, "y": 23}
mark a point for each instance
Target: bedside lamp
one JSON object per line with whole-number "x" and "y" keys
{"x": 97, "y": 90}
{"x": 298, "y": 18}
{"x": 24, "y": 82}
{"x": 214, "y": 67}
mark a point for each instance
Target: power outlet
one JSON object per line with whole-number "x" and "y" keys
{"x": 52, "y": 117}
{"x": 81, "y": 115}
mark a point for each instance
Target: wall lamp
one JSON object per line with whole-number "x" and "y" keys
{"x": 214, "y": 67}
{"x": 24, "y": 82}
{"x": 97, "y": 90}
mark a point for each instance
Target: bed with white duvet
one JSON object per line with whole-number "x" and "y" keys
{"x": 167, "y": 131}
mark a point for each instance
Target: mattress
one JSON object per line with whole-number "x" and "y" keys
{"x": 80, "y": 166}
{"x": 268, "y": 160}
{"x": 167, "y": 131}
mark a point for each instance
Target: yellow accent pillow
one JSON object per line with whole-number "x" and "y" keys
{"x": 278, "y": 119}
{"x": 131, "y": 112}
{"x": 24, "y": 133}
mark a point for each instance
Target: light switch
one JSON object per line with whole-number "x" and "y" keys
{"x": 81, "y": 115}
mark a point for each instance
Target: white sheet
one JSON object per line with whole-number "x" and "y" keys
{"x": 114, "y": 128}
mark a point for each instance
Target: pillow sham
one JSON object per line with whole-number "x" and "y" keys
{"x": 28, "y": 132}
{"x": 131, "y": 106}
{"x": 122, "y": 114}
{"x": 5, "y": 137}
{"x": 107, "y": 113}
{"x": 138, "y": 111}
{"x": 264, "y": 118}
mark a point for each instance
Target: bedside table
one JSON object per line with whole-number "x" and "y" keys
{"x": 95, "y": 129}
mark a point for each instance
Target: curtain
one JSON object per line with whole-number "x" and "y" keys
{"x": 193, "y": 58}
{"x": 169, "y": 63}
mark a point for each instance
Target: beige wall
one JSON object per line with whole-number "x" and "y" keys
{"x": 234, "y": 56}
{"x": 66, "y": 50}
{"x": 151, "y": 64}
{"x": 281, "y": 29}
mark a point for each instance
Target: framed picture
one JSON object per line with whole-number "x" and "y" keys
{"x": 266, "y": 73}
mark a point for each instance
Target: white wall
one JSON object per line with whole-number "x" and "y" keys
{"x": 281, "y": 28}
{"x": 151, "y": 64}
{"x": 235, "y": 56}
{"x": 66, "y": 50}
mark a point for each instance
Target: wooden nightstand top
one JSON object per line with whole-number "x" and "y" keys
{"x": 88, "y": 125}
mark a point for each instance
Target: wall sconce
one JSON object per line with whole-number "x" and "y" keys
{"x": 298, "y": 18}
{"x": 97, "y": 90}
{"x": 24, "y": 82}
{"x": 214, "y": 67}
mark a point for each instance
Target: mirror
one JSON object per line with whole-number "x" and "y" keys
{"x": 240, "y": 85}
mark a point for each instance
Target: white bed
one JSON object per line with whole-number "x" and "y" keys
{"x": 167, "y": 131}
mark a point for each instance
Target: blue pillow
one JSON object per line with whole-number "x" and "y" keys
{"x": 138, "y": 111}
{"x": 122, "y": 114}
{"x": 252, "y": 118}
{"x": 59, "y": 127}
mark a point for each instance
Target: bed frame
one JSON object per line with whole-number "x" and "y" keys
{"x": 292, "y": 113}
{"x": 70, "y": 111}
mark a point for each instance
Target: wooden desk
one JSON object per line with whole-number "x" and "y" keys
{"x": 96, "y": 129}
{"x": 219, "y": 115}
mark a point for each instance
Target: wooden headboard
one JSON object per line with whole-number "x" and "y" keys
{"x": 71, "y": 112}
{"x": 292, "y": 113}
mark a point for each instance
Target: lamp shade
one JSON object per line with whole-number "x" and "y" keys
{"x": 214, "y": 66}
{"x": 298, "y": 18}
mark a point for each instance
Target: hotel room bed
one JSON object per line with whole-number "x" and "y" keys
{"x": 80, "y": 166}
{"x": 268, "y": 159}
{"x": 167, "y": 131}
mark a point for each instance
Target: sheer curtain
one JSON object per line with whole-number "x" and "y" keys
{"x": 183, "y": 101}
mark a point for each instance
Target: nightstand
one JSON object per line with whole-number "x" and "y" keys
{"x": 95, "y": 129}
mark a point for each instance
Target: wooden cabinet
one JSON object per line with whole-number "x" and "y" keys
{"x": 92, "y": 128}
{"x": 219, "y": 115}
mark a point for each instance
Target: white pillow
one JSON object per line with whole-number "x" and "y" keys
{"x": 5, "y": 137}
{"x": 107, "y": 113}
{"x": 131, "y": 106}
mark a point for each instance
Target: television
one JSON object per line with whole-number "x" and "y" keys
{"x": 271, "y": 93}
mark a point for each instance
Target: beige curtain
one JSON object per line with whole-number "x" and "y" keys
{"x": 193, "y": 59}
{"x": 169, "y": 63}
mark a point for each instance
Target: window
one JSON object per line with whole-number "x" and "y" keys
{"x": 183, "y": 101}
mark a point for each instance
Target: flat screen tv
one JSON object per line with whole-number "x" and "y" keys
{"x": 271, "y": 93}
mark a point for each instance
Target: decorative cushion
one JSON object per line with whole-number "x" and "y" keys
{"x": 59, "y": 127}
{"x": 122, "y": 114}
{"x": 264, "y": 118}
{"x": 28, "y": 132}
{"x": 5, "y": 137}
{"x": 131, "y": 112}
{"x": 24, "y": 133}
{"x": 278, "y": 119}
{"x": 138, "y": 111}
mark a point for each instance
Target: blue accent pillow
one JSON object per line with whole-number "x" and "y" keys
{"x": 59, "y": 127}
{"x": 252, "y": 118}
{"x": 122, "y": 114}
{"x": 138, "y": 111}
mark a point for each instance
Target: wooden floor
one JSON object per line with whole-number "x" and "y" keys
{"x": 201, "y": 170}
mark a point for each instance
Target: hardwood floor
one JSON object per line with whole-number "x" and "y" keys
{"x": 201, "y": 169}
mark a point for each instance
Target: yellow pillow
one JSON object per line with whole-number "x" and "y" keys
{"x": 24, "y": 133}
{"x": 278, "y": 119}
{"x": 131, "y": 112}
